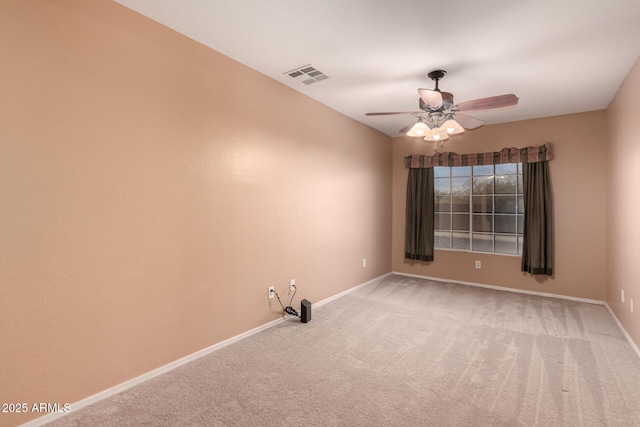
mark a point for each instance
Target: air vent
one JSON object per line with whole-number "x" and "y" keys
{"x": 307, "y": 74}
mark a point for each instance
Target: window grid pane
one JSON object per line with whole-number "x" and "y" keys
{"x": 480, "y": 208}
{"x": 442, "y": 239}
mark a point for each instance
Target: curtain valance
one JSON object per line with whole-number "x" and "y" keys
{"x": 541, "y": 153}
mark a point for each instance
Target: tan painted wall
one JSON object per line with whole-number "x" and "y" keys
{"x": 152, "y": 189}
{"x": 623, "y": 203}
{"x": 578, "y": 179}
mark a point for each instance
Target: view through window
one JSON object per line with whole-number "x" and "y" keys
{"x": 479, "y": 208}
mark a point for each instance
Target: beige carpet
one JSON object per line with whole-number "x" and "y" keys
{"x": 404, "y": 352}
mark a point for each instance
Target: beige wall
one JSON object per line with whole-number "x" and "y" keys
{"x": 578, "y": 182}
{"x": 152, "y": 189}
{"x": 623, "y": 203}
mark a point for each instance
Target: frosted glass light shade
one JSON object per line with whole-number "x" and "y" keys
{"x": 419, "y": 129}
{"x": 437, "y": 134}
{"x": 452, "y": 127}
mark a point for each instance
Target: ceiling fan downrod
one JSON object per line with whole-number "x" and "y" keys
{"x": 436, "y": 75}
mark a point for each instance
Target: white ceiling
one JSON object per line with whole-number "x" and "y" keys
{"x": 557, "y": 56}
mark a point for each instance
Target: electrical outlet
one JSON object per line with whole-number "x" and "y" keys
{"x": 478, "y": 264}
{"x": 272, "y": 292}
{"x": 292, "y": 285}
{"x": 631, "y": 305}
{"x": 364, "y": 262}
{"x": 622, "y": 295}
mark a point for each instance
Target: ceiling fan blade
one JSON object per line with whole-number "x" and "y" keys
{"x": 488, "y": 103}
{"x": 407, "y": 127}
{"x": 467, "y": 122}
{"x": 433, "y": 98}
{"x": 393, "y": 113}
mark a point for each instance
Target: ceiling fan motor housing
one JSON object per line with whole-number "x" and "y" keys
{"x": 447, "y": 103}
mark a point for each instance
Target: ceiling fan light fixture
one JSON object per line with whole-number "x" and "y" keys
{"x": 436, "y": 137}
{"x": 452, "y": 127}
{"x": 437, "y": 134}
{"x": 419, "y": 129}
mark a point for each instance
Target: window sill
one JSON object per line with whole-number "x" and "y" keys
{"x": 477, "y": 252}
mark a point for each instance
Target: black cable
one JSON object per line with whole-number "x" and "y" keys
{"x": 289, "y": 310}
{"x": 295, "y": 289}
{"x": 278, "y": 296}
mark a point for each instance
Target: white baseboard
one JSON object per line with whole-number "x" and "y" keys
{"x": 624, "y": 332}
{"x": 502, "y": 288}
{"x": 166, "y": 368}
{"x": 355, "y": 288}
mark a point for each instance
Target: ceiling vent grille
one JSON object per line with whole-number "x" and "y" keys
{"x": 307, "y": 74}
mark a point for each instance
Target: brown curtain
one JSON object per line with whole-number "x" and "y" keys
{"x": 537, "y": 246}
{"x": 418, "y": 241}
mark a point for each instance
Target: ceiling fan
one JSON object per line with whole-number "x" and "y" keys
{"x": 439, "y": 117}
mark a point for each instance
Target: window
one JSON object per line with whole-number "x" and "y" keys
{"x": 479, "y": 208}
